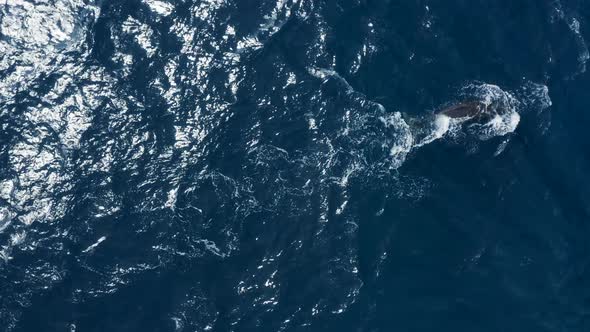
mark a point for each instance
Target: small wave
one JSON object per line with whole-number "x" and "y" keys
{"x": 569, "y": 18}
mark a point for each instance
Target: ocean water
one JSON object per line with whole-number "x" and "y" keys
{"x": 283, "y": 165}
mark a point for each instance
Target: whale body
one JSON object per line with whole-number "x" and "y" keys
{"x": 465, "y": 110}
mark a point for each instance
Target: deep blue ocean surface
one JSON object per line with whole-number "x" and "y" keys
{"x": 292, "y": 165}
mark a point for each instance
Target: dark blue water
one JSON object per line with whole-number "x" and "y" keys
{"x": 284, "y": 166}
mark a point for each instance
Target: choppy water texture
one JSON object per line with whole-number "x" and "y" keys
{"x": 281, "y": 166}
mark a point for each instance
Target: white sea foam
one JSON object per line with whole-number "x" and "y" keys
{"x": 94, "y": 245}
{"x": 160, "y": 7}
{"x": 441, "y": 126}
{"x": 172, "y": 196}
{"x": 499, "y": 125}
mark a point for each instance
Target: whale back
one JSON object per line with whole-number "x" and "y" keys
{"x": 468, "y": 109}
